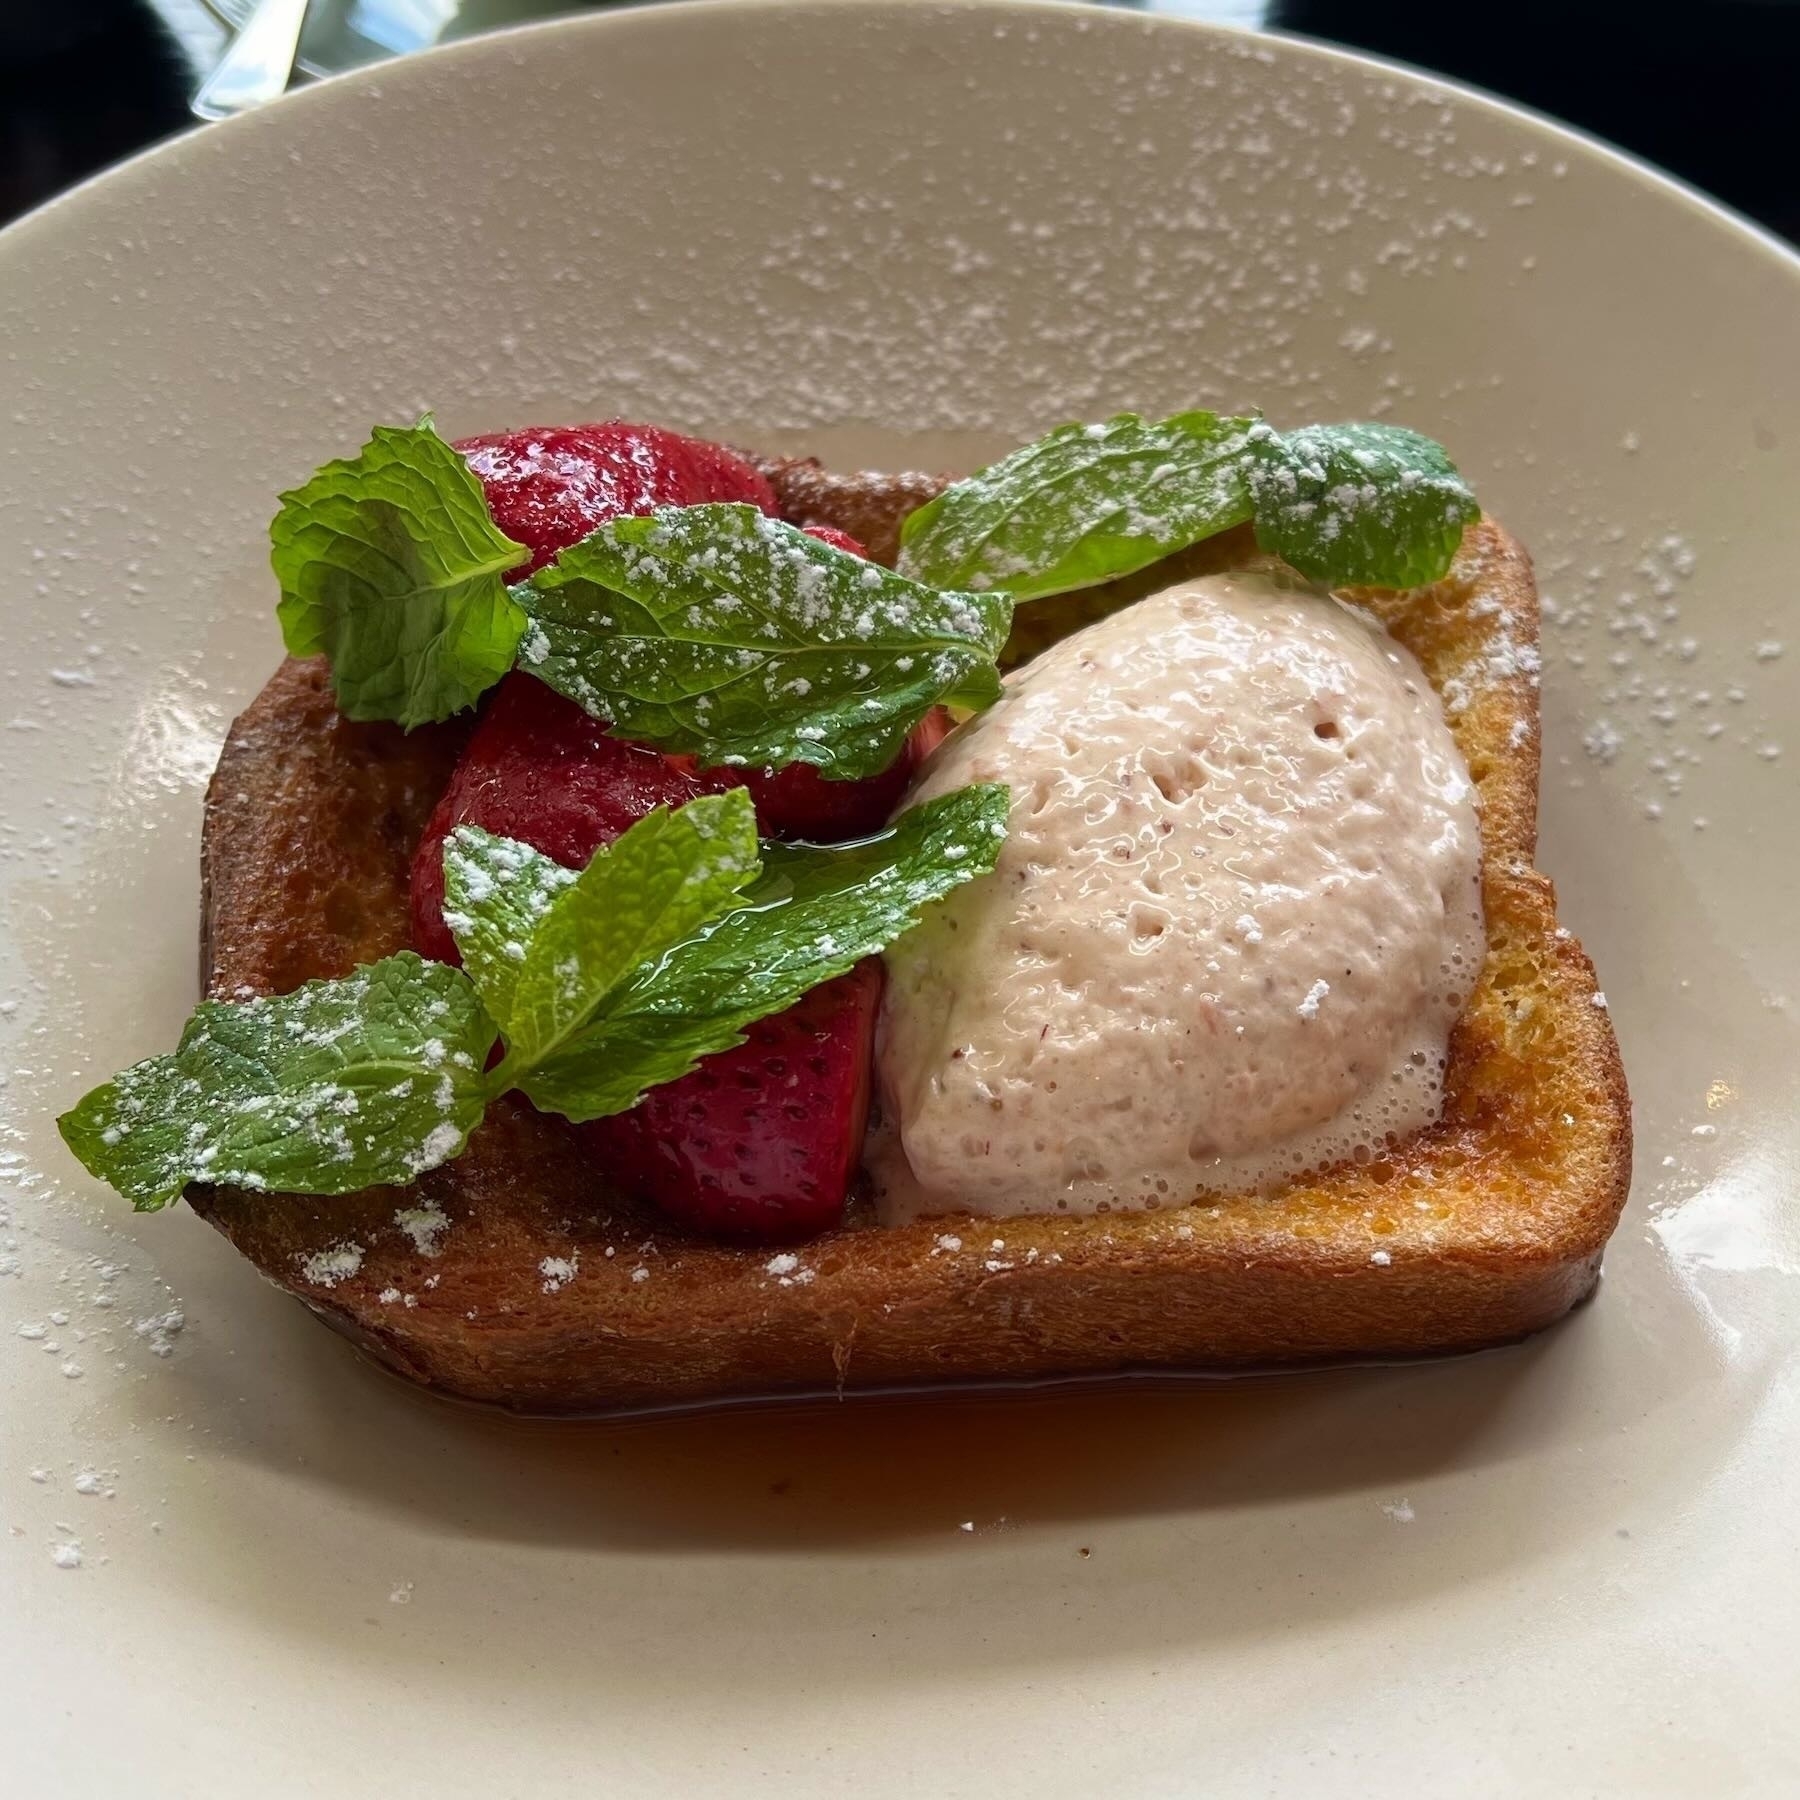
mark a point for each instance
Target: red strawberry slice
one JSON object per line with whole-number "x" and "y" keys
{"x": 549, "y": 486}
{"x": 799, "y": 803}
{"x": 759, "y": 1142}
{"x": 539, "y": 769}
{"x": 838, "y": 540}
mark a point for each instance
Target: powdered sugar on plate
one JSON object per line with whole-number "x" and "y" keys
{"x": 1669, "y": 694}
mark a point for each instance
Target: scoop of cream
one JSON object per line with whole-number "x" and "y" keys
{"x": 1236, "y": 915}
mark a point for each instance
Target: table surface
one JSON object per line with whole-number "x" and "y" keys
{"x": 1702, "y": 89}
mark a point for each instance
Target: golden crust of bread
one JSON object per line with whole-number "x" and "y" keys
{"x": 544, "y": 1291}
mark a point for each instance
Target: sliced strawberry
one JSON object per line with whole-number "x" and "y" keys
{"x": 539, "y": 769}
{"x": 838, "y": 540}
{"x": 763, "y": 1138}
{"x": 548, "y": 486}
{"x": 759, "y": 1142}
{"x": 798, "y": 802}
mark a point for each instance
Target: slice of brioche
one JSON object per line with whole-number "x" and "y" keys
{"x": 515, "y": 1276}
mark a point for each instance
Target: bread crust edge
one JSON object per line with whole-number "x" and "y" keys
{"x": 1486, "y": 1227}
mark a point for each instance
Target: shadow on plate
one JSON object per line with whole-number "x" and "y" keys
{"x": 957, "y": 1531}
{"x": 875, "y": 1472}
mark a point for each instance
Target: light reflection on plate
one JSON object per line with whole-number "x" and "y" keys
{"x": 1744, "y": 1219}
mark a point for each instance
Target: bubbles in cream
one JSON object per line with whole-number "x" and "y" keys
{"x": 1236, "y": 916}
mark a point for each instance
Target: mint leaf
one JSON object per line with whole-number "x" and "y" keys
{"x": 718, "y": 632}
{"x": 390, "y": 566}
{"x": 618, "y": 979}
{"x": 337, "y": 1086}
{"x": 496, "y": 893}
{"x": 812, "y": 914}
{"x": 1358, "y": 505}
{"x": 1083, "y": 505}
{"x": 658, "y": 883}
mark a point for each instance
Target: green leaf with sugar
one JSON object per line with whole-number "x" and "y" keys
{"x": 662, "y": 952}
{"x": 1083, "y": 505}
{"x": 717, "y": 632}
{"x": 812, "y": 914}
{"x": 1358, "y": 505}
{"x": 340, "y": 1085}
{"x": 496, "y": 893}
{"x": 390, "y": 566}
{"x": 657, "y": 884}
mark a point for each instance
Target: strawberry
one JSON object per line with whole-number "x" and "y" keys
{"x": 759, "y": 1142}
{"x": 838, "y": 540}
{"x": 539, "y": 769}
{"x": 549, "y": 486}
{"x": 798, "y": 802}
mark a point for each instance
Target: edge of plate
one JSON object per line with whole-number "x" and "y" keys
{"x": 337, "y": 89}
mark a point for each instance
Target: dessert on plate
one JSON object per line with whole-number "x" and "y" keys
{"x": 684, "y": 925}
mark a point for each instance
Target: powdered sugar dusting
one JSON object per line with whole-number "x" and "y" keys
{"x": 1669, "y": 698}
{"x": 425, "y": 1224}
{"x": 559, "y": 1271}
{"x": 1264, "y": 195}
{"x": 160, "y": 1330}
{"x": 789, "y": 1271}
{"x": 326, "y": 1268}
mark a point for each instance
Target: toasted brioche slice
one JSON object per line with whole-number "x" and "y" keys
{"x": 514, "y": 1276}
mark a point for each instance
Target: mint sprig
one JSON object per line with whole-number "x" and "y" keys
{"x": 669, "y": 876}
{"x": 390, "y": 565}
{"x": 811, "y": 914}
{"x": 1082, "y": 505}
{"x": 718, "y": 632}
{"x": 1349, "y": 505}
{"x": 340, "y": 1085}
{"x": 603, "y": 984}
{"x": 1358, "y": 505}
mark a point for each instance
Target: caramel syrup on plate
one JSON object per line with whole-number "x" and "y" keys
{"x": 887, "y": 1468}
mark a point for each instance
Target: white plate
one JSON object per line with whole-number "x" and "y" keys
{"x": 905, "y": 232}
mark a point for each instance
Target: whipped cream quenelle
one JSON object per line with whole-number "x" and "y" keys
{"x": 1236, "y": 916}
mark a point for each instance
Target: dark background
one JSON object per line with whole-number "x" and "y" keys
{"x": 1708, "y": 90}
